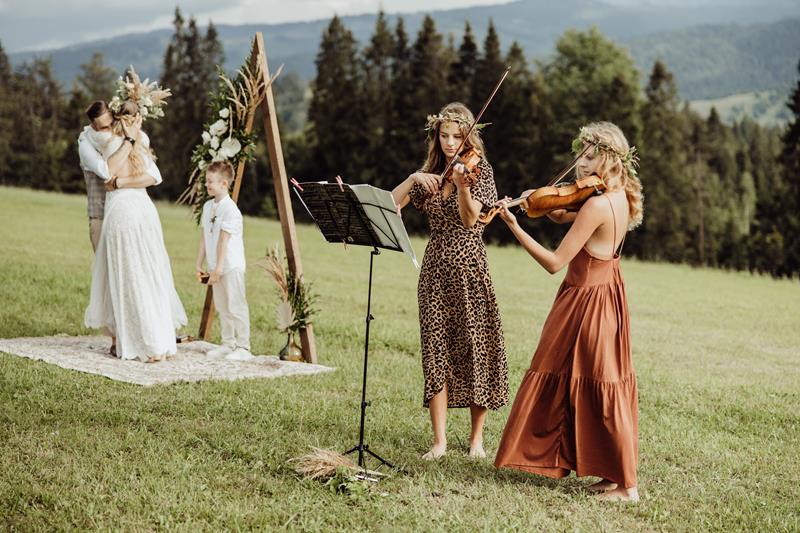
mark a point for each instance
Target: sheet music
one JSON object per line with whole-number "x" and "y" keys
{"x": 382, "y": 212}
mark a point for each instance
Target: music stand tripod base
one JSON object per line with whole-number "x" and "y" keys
{"x": 362, "y": 448}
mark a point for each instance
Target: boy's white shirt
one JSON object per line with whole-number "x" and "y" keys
{"x": 95, "y": 147}
{"x": 227, "y": 218}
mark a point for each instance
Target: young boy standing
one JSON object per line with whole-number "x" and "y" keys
{"x": 222, "y": 246}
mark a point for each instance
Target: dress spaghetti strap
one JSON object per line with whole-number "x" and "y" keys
{"x": 618, "y": 251}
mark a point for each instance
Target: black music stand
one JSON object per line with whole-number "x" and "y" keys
{"x": 373, "y": 221}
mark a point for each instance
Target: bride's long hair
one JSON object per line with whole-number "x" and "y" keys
{"x": 125, "y": 117}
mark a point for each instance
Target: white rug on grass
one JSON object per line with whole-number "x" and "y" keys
{"x": 90, "y": 354}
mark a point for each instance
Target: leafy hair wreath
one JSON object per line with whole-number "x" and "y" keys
{"x": 629, "y": 159}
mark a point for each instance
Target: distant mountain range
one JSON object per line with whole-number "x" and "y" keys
{"x": 713, "y": 49}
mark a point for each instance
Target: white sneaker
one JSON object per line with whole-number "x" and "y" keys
{"x": 219, "y": 352}
{"x": 239, "y": 354}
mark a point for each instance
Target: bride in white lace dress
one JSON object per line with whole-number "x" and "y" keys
{"x": 133, "y": 293}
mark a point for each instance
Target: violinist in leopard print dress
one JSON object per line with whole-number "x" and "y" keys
{"x": 463, "y": 351}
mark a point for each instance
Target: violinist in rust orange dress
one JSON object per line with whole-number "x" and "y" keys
{"x": 463, "y": 351}
{"x": 577, "y": 407}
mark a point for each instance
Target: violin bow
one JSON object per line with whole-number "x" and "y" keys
{"x": 518, "y": 201}
{"x": 475, "y": 122}
{"x": 557, "y": 179}
{"x": 566, "y": 170}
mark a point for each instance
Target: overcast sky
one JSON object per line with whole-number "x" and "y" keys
{"x": 43, "y": 24}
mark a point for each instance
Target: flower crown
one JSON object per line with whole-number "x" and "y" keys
{"x": 629, "y": 159}
{"x": 433, "y": 121}
{"x": 146, "y": 94}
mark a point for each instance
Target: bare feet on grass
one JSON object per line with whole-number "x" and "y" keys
{"x": 436, "y": 451}
{"x": 603, "y": 485}
{"x": 619, "y": 494}
{"x": 476, "y": 451}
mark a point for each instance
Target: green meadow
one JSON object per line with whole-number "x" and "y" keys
{"x": 717, "y": 356}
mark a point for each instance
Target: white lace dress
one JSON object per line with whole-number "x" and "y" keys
{"x": 133, "y": 294}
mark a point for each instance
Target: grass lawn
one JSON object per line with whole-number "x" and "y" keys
{"x": 717, "y": 356}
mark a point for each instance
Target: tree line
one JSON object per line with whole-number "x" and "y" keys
{"x": 715, "y": 194}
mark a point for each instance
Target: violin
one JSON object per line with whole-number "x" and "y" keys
{"x": 555, "y": 195}
{"x": 470, "y": 159}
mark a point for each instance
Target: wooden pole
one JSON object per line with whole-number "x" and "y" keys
{"x": 282, "y": 195}
{"x": 281, "y": 182}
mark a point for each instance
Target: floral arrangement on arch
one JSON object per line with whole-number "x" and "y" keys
{"x": 148, "y": 95}
{"x": 225, "y": 135}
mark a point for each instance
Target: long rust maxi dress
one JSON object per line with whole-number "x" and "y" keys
{"x": 577, "y": 405}
{"x": 460, "y": 329}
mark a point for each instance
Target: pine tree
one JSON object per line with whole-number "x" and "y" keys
{"x": 39, "y": 143}
{"x": 766, "y": 252}
{"x": 406, "y": 135}
{"x": 190, "y": 64}
{"x": 461, "y": 77}
{"x": 489, "y": 69}
{"x": 5, "y": 68}
{"x": 96, "y": 80}
{"x": 789, "y": 206}
{"x": 512, "y": 138}
{"x": 429, "y": 71}
{"x": 664, "y": 173}
{"x": 336, "y": 114}
{"x": 723, "y": 201}
{"x": 378, "y": 101}
{"x": 6, "y": 123}
{"x": 405, "y": 150}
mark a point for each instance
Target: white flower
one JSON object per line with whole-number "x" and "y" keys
{"x": 214, "y": 142}
{"x": 206, "y": 137}
{"x": 218, "y": 128}
{"x": 143, "y": 111}
{"x": 230, "y": 147}
{"x": 202, "y": 164}
{"x": 218, "y": 156}
{"x": 224, "y": 112}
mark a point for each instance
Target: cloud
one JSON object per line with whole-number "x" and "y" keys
{"x": 44, "y": 24}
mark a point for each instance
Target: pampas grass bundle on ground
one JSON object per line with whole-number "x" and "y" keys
{"x": 323, "y": 464}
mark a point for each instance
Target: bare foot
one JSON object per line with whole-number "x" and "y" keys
{"x": 153, "y": 359}
{"x": 603, "y": 485}
{"x": 476, "y": 451}
{"x": 436, "y": 451}
{"x": 620, "y": 494}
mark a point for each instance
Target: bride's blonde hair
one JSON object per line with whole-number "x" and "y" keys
{"x": 125, "y": 117}
{"x": 617, "y": 164}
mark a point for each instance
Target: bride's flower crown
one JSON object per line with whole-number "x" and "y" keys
{"x": 149, "y": 96}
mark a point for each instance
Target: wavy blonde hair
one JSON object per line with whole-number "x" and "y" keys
{"x": 126, "y": 116}
{"x": 616, "y": 165}
{"x": 436, "y": 160}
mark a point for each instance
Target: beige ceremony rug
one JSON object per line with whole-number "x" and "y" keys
{"x": 90, "y": 354}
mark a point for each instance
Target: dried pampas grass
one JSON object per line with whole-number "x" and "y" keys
{"x": 323, "y": 464}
